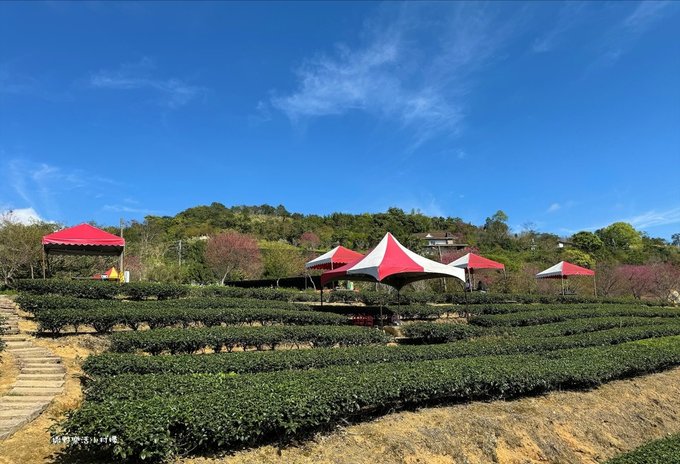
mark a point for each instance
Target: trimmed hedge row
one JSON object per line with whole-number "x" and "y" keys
{"x": 157, "y": 416}
{"x": 553, "y": 314}
{"x": 102, "y": 290}
{"x": 664, "y": 451}
{"x": 37, "y": 303}
{"x": 411, "y": 311}
{"x": 249, "y": 362}
{"x": 194, "y": 339}
{"x": 577, "y": 326}
{"x": 432, "y": 332}
{"x": 105, "y": 319}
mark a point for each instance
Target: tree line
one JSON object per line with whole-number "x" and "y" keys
{"x": 216, "y": 243}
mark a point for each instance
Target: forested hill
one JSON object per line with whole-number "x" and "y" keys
{"x": 358, "y": 231}
{"x": 194, "y": 246}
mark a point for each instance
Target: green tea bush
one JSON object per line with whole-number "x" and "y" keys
{"x": 664, "y": 451}
{"x": 157, "y": 416}
{"x": 133, "y": 316}
{"x": 555, "y": 314}
{"x": 101, "y": 289}
{"x": 431, "y": 332}
{"x": 193, "y": 339}
{"x": 265, "y": 361}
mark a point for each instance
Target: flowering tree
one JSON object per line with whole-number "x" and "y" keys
{"x": 309, "y": 240}
{"x": 233, "y": 255}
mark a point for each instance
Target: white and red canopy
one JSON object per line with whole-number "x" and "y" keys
{"x": 393, "y": 264}
{"x": 564, "y": 269}
{"x": 337, "y": 257}
{"x": 473, "y": 261}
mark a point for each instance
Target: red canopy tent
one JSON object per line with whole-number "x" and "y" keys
{"x": 564, "y": 270}
{"x": 393, "y": 264}
{"x": 472, "y": 261}
{"x": 82, "y": 239}
{"x": 338, "y": 256}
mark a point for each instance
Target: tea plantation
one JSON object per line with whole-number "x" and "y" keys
{"x": 188, "y": 373}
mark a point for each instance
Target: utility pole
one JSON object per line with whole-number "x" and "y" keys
{"x": 122, "y": 253}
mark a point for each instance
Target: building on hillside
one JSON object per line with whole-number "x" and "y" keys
{"x": 564, "y": 244}
{"x": 435, "y": 241}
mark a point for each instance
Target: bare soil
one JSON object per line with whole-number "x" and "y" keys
{"x": 8, "y": 372}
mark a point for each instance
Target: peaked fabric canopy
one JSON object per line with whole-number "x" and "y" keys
{"x": 337, "y": 257}
{"x": 83, "y": 239}
{"x": 473, "y": 261}
{"x": 393, "y": 264}
{"x": 564, "y": 269}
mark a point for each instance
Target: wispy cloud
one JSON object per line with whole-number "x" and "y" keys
{"x": 568, "y": 17}
{"x": 554, "y": 207}
{"x": 174, "y": 92}
{"x": 40, "y": 185}
{"x": 390, "y": 78}
{"x": 645, "y": 14}
{"x": 117, "y": 208}
{"x": 653, "y": 218}
{"x": 621, "y": 37}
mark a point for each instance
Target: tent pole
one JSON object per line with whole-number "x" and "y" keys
{"x": 562, "y": 285}
{"x": 594, "y": 286}
{"x": 44, "y": 264}
{"x": 321, "y": 294}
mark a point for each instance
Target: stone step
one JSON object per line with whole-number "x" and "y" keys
{"x": 8, "y": 423}
{"x": 43, "y": 370}
{"x": 29, "y": 391}
{"x": 26, "y": 406}
{"x": 21, "y": 413}
{"x": 30, "y": 351}
{"x": 33, "y": 352}
{"x": 11, "y": 338}
{"x": 10, "y": 399}
{"x": 39, "y": 384}
{"x": 41, "y": 376}
{"x": 28, "y": 361}
{"x": 11, "y": 346}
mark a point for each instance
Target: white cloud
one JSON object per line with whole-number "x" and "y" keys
{"x": 655, "y": 218}
{"x": 645, "y": 14}
{"x": 40, "y": 185}
{"x": 389, "y": 76}
{"x": 135, "y": 76}
{"x": 25, "y": 216}
{"x": 128, "y": 209}
{"x": 554, "y": 207}
{"x": 569, "y": 15}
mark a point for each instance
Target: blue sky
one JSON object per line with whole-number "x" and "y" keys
{"x": 564, "y": 115}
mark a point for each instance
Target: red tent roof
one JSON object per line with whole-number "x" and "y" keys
{"x": 473, "y": 261}
{"x": 393, "y": 264}
{"x": 338, "y": 256}
{"x": 84, "y": 234}
{"x": 564, "y": 269}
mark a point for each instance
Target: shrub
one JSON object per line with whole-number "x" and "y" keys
{"x": 249, "y": 362}
{"x": 133, "y": 315}
{"x": 664, "y": 451}
{"x": 156, "y": 416}
{"x": 431, "y": 332}
{"x": 217, "y": 338}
